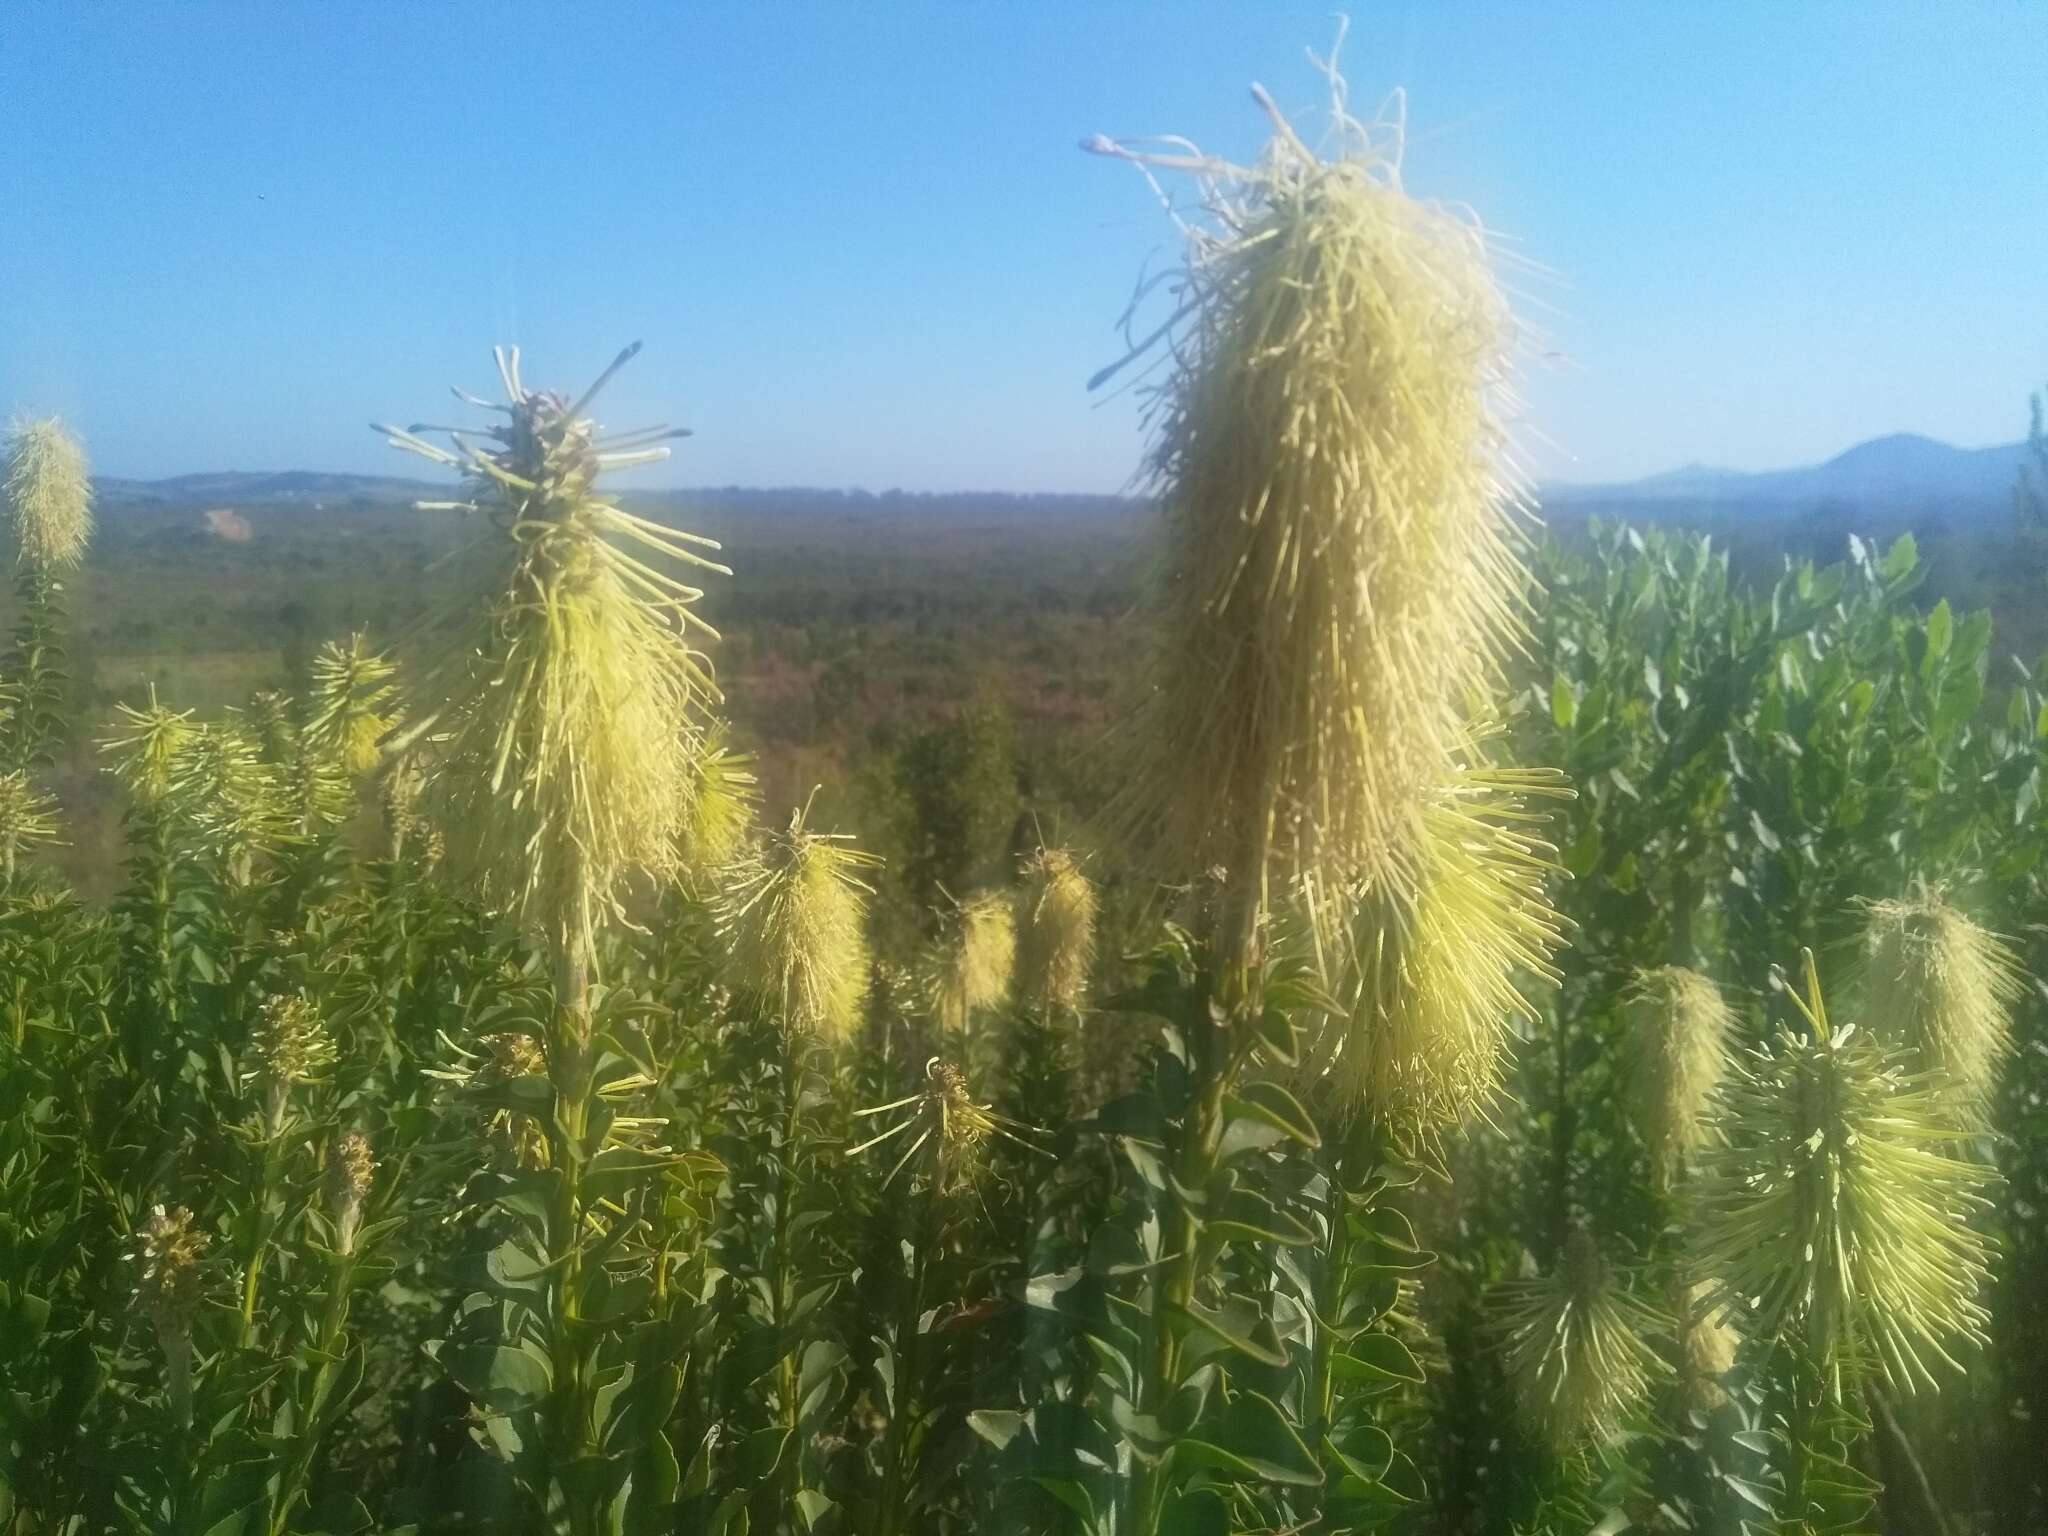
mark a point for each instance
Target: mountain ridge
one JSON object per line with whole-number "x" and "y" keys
{"x": 1895, "y": 472}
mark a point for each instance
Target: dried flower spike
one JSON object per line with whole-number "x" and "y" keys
{"x": 1577, "y": 1348}
{"x": 1056, "y": 947}
{"x": 1679, "y": 1032}
{"x": 350, "y": 1168}
{"x": 794, "y": 914}
{"x": 49, "y": 495}
{"x": 1342, "y": 572}
{"x": 291, "y": 1046}
{"x": 170, "y": 1283}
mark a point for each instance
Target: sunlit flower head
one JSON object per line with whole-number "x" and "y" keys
{"x": 1437, "y": 960}
{"x": 1679, "y": 1029}
{"x": 49, "y": 495}
{"x": 574, "y": 698}
{"x": 1341, "y": 568}
{"x": 1834, "y": 1219}
{"x": 1942, "y": 988}
{"x": 794, "y": 914}
{"x": 973, "y": 959}
{"x": 1056, "y": 917}
{"x": 354, "y": 702}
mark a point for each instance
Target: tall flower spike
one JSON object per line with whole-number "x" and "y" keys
{"x": 354, "y": 704}
{"x": 1679, "y": 1030}
{"x": 1056, "y": 946}
{"x": 1342, "y": 573}
{"x": 49, "y": 495}
{"x": 148, "y": 747}
{"x": 28, "y": 818}
{"x": 1436, "y": 959}
{"x": 1577, "y": 1348}
{"x": 1942, "y": 988}
{"x": 1833, "y": 1219}
{"x": 974, "y": 958}
{"x": 575, "y": 698}
{"x": 794, "y": 916}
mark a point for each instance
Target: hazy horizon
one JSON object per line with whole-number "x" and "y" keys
{"x": 863, "y": 249}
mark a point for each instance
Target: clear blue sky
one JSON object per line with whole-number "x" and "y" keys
{"x": 863, "y": 249}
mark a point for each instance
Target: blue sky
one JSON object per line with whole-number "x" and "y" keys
{"x": 862, "y": 247}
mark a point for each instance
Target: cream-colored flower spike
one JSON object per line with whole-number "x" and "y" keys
{"x": 1835, "y": 1220}
{"x": 1056, "y": 938}
{"x": 1936, "y": 984}
{"x": 148, "y": 747}
{"x": 49, "y": 495}
{"x": 1679, "y": 1027}
{"x": 974, "y": 959}
{"x": 1437, "y": 960}
{"x": 794, "y": 914}
{"x": 1341, "y": 568}
{"x": 574, "y": 696}
{"x": 1577, "y": 1346}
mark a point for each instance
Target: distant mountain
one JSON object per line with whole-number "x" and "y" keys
{"x": 237, "y": 486}
{"x": 1901, "y": 472}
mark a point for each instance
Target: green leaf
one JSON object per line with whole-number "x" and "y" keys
{"x": 1900, "y": 559}
{"x": 1941, "y": 630}
{"x": 998, "y": 1426}
{"x": 1564, "y": 705}
{"x": 1272, "y": 1105}
{"x": 1238, "y": 1324}
{"x": 1246, "y": 1213}
{"x": 813, "y": 1506}
{"x": 502, "y": 1380}
{"x": 1253, "y": 1439}
{"x": 1378, "y": 1358}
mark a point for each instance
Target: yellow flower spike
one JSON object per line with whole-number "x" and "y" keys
{"x": 1834, "y": 1220}
{"x": 1436, "y": 959}
{"x": 148, "y": 747}
{"x": 794, "y": 914}
{"x": 575, "y": 700}
{"x": 1679, "y": 1034}
{"x": 1342, "y": 570}
{"x": 1577, "y": 1348}
{"x": 1936, "y": 984}
{"x": 1056, "y": 941}
{"x": 28, "y": 818}
{"x": 974, "y": 959}
{"x": 723, "y": 795}
{"x": 49, "y": 495}
{"x": 354, "y": 702}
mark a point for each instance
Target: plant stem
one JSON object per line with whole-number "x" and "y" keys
{"x": 569, "y": 1066}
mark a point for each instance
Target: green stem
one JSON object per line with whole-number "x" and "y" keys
{"x": 780, "y": 1259}
{"x": 569, "y": 1068}
{"x": 890, "y": 1516}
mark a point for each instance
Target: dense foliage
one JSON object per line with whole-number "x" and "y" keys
{"x": 471, "y": 1115}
